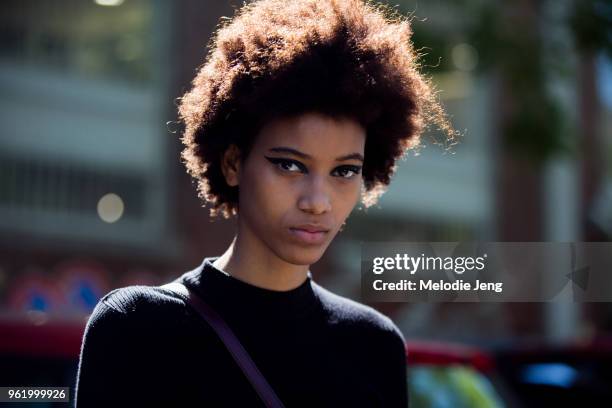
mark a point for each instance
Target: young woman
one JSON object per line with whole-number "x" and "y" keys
{"x": 300, "y": 111}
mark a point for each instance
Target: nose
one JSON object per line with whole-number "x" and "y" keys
{"x": 315, "y": 198}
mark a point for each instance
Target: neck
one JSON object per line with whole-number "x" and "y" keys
{"x": 260, "y": 268}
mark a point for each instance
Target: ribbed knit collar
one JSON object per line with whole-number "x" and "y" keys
{"x": 235, "y": 299}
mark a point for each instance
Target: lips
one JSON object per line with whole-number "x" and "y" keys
{"x": 311, "y": 228}
{"x": 309, "y": 234}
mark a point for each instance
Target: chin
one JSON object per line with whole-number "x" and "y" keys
{"x": 302, "y": 256}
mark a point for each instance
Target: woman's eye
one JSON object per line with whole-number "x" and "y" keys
{"x": 348, "y": 171}
{"x": 289, "y": 166}
{"x": 285, "y": 164}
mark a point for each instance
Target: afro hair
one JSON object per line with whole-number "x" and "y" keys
{"x": 277, "y": 58}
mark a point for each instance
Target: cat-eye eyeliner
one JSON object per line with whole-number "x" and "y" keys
{"x": 278, "y": 161}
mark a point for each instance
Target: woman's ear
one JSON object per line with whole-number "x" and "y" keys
{"x": 230, "y": 165}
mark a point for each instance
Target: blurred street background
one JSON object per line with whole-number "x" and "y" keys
{"x": 93, "y": 195}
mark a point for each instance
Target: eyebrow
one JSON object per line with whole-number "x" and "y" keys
{"x": 355, "y": 156}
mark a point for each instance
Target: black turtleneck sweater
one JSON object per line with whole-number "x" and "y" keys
{"x": 143, "y": 346}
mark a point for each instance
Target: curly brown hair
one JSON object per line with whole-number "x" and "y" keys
{"x": 277, "y": 58}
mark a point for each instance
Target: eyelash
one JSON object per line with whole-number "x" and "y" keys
{"x": 278, "y": 162}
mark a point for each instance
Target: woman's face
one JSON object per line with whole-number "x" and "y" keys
{"x": 298, "y": 184}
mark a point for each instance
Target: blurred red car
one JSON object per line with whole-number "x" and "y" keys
{"x": 444, "y": 375}
{"x": 39, "y": 354}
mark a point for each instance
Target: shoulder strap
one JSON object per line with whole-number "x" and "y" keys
{"x": 233, "y": 345}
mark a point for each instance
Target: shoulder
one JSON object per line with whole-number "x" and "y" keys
{"x": 140, "y": 299}
{"x": 123, "y": 343}
{"x": 348, "y": 314}
{"x": 133, "y": 305}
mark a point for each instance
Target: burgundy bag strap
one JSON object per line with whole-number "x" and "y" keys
{"x": 233, "y": 345}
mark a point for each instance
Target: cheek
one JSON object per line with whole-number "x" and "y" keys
{"x": 266, "y": 193}
{"x": 348, "y": 199}
{"x": 344, "y": 201}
